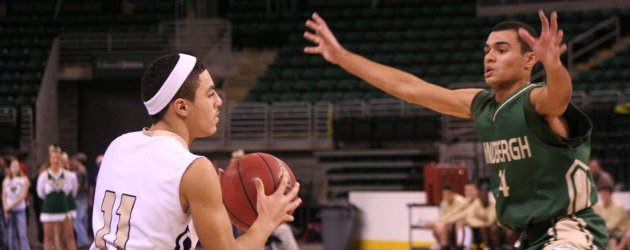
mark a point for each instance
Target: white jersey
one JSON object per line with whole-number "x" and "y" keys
{"x": 136, "y": 201}
{"x": 13, "y": 188}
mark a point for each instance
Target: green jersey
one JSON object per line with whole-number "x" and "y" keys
{"x": 535, "y": 175}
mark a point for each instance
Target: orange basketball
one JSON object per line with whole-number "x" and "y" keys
{"x": 239, "y": 189}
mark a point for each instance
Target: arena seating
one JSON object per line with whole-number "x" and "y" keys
{"x": 27, "y": 33}
{"x": 423, "y": 40}
{"x": 441, "y": 43}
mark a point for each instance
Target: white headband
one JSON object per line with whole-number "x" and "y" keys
{"x": 182, "y": 69}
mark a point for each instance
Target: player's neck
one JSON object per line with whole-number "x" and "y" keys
{"x": 502, "y": 93}
{"x": 177, "y": 128}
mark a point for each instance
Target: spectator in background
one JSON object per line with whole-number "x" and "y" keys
{"x": 53, "y": 187}
{"x": 92, "y": 179}
{"x": 14, "y": 194}
{"x": 614, "y": 215}
{"x": 37, "y": 202}
{"x": 482, "y": 216}
{"x": 452, "y": 203}
{"x": 601, "y": 177}
{"x": 93, "y": 174}
{"x": 77, "y": 165}
{"x": 4, "y": 161}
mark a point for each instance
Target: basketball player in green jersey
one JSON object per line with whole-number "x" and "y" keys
{"x": 535, "y": 142}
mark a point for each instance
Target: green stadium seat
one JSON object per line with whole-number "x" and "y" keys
{"x": 6, "y": 100}
{"x": 331, "y": 96}
{"x": 269, "y": 97}
{"x": 311, "y": 96}
{"x": 262, "y": 86}
{"x": 304, "y": 85}
{"x": 348, "y": 85}
{"x": 251, "y": 97}
{"x": 290, "y": 96}
{"x": 291, "y": 74}
{"x": 325, "y": 85}
{"x": 352, "y": 96}
{"x": 282, "y": 86}
{"x": 333, "y": 73}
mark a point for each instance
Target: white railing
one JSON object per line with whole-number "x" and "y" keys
{"x": 308, "y": 126}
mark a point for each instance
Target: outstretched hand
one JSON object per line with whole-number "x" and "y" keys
{"x": 548, "y": 47}
{"x": 325, "y": 40}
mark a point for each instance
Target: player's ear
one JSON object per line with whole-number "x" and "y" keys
{"x": 180, "y": 107}
{"x": 530, "y": 59}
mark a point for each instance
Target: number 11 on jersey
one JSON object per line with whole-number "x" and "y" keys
{"x": 124, "y": 217}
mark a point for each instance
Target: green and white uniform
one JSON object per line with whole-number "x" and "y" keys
{"x": 540, "y": 181}
{"x": 54, "y": 190}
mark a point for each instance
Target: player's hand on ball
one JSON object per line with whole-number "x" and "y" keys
{"x": 325, "y": 40}
{"x": 279, "y": 206}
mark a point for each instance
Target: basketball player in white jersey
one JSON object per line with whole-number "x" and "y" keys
{"x": 151, "y": 188}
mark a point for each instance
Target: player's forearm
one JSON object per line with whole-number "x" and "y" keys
{"x": 558, "y": 92}
{"x": 388, "y": 79}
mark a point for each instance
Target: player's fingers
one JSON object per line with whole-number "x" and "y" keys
{"x": 311, "y": 25}
{"x": 544, "y": 22}
{"x": 319, "y": 19}
{"x": 284, "y": 183}
{"x": 312, "y": 37}
{"x": 559, "y": 37}
{"x": 312, "y": 50}
{"x": 260, "y": 187}
{"x": 563, "y": 48}
{"x": 293, "y": 193}
{"x": 294, "y": 205}
{"x": 554, "y": 22}
{"x": 289, "y": 218}
{"x": 526, "y": 37}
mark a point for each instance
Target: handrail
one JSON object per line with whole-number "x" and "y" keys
{"x": 572, "y": 55}
{"x": 615, "y": 33}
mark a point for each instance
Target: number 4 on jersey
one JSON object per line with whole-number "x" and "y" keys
{"x": 503, "y": 185}
{"x": 124, "y": 214}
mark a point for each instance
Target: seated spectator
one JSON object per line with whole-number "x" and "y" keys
{"x": 482, "y": 217}
{"x": 600, "y": 176}
{"x": 614, "y": 215}
{"x": 452, "y": 203}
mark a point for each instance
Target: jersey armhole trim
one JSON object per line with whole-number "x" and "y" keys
{"x": 580, "y": 125}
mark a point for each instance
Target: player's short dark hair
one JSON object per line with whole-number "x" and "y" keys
{"x": 156, "y": 75}
{"x": 608, "y": 188}
{"x": 447, "y": 187}
{"x": 515, "y": 25}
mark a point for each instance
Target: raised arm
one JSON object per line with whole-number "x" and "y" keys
{"x": 552, "y": 100}
{"x": 201, "y": 193}
{"x": 395, "y": 82}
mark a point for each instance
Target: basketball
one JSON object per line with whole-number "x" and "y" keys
{"x": 239, "y": 189}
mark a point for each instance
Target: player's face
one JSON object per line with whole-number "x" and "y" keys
{"x": 504, "y": 63}
{"x": 206, "y": 107}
